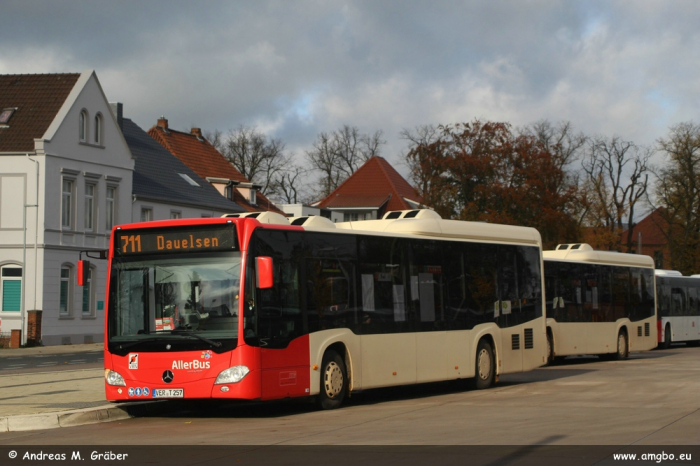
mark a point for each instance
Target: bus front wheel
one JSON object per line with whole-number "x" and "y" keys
{"x": 333, "y": 381}
{"x": 485, "y": 366}
{"x": 622, "y": 347}
{"x": 550, "y": 349}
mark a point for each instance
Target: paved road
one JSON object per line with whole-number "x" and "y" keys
{"x": 650, "y": 399}
{"x": 19, "y": 363}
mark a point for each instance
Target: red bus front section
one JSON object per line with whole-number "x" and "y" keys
{"x": 263, "y": 372}
{"x": 194, "y": 372}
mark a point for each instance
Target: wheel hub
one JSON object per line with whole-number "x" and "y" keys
{"x": 333, "y": 380}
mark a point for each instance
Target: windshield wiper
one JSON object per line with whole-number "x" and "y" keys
{"x": 136, "y": 342}
{"x": 190, "y": 333}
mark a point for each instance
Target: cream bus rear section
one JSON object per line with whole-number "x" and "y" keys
{"x": 599, "y": 302}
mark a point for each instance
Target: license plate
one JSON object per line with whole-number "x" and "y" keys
{"x": 169, "y": 393}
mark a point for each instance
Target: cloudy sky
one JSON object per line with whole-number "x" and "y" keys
{"x": 297, "y": 68}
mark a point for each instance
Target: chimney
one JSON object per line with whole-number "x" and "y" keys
{"x": 118, "y": 112}
{"x": 197, "y": 132}
{"x": 163, "y": 122}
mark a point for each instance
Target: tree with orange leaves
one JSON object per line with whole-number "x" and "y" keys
{"x": 481, "y": 171}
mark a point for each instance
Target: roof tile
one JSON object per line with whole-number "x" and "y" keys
{"x": 37, "y": 98}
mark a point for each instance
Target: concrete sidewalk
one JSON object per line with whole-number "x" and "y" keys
{"x": 60, "y": 398}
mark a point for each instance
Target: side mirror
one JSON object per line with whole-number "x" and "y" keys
{"x": 263, "y": 268}
{"x": 83, "y": 271}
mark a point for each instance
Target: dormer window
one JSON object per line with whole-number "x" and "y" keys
{"x": 82, "y": 126}
{"x": 253, "y": 197}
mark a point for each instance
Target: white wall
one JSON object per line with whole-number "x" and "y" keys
{"x": 61, "y": 154}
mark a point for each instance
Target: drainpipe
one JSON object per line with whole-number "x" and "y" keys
{"x": 23, "y": 301}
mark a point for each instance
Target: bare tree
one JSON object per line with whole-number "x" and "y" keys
{"x": 339, "y": 154}
{"x": 617, "y": 175}
{"x": 259, "y": 158}
{"x": 289, "y": 186}
{"x": 678, "y": 193}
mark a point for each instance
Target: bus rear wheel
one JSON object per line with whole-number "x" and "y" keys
{"x": 622, "y": 347}
{"x": 485, "y": 366}
{"x": 333, "y": 381}
{"x": 550, "y": 349}
{"x": 667, "y": 337}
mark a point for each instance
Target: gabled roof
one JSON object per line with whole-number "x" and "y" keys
{"x": 157, "y": 175}
{"x": 198, "y": 154}
{"x": 373, "y": 185}
{"x": 37, "y": 99}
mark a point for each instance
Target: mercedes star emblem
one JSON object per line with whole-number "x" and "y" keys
{"x": 167, "y": 376}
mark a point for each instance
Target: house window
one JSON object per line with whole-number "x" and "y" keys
{"x": 67, "y": 204}
{"x": 659, "y": 259}
{"x": 174, "y": 214}
{"x": 146, "y": 214}
{"x": 66, "y": 291}
{"x": 228, "y": 192}
{"x": 98, "y": 129}
{"x": 189, "y": 180}
{"x": 11, "y": 288}
{"x": 253, "y": 197}
{"x": 90, "y": 192}
{"x": 5, "y": 115}
{"x": 88, "y": 294}
{"x": 110, "y": 212}
{"x": 82, "y": 125}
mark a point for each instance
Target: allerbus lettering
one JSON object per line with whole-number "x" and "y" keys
{"x": 191, "y": 243}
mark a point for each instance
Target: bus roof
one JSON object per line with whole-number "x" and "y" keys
{"x": 432, "y": 225}
{"x": 585, "y": 253}
{"x": 419, "y": 222}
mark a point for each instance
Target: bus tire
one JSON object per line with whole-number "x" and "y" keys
{"x": 622, "y": 346}
{"x": 550, "y": 349}
{"x": 333, "y": 381}
{"x": 667, "y": 337}
{"x": 485, "y": 366}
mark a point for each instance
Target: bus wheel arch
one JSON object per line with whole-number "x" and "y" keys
{"x": 334, "y": 377}
{"x": 485, "y": 364}
{"x": 550, "y": 346}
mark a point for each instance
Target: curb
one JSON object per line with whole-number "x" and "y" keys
{"x": 80, "y": 417}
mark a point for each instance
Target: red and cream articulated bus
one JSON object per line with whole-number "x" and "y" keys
{"x": 260, "y": 307}
{"x": 599, "y": 302}
{"x": 678, "y": 308}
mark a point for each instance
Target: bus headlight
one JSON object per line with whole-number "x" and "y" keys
{"x": 114, "y": 378}
{"x": 232, "y": 375}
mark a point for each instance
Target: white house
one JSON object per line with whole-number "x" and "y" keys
{"x": 65, "y": 180}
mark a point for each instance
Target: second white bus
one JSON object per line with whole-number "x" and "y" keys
{"x": 598, "y": 302}
{"x": 678, "y": 308}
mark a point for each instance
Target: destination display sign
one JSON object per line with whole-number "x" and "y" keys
{"x": 176, "y": 240}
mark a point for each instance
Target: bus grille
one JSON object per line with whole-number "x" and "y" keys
{"x": 529, "y": 339}
{"x": 646, "y": 329}
{"x": 639, "y": 331}
{"x": 515, "y": 340}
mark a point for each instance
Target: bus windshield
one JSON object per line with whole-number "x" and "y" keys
{"x": 189, "y": 297}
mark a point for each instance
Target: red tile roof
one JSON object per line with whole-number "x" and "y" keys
{"x": 203, "y": 158}
{"x": 370, "y": 186}
{"x": 37, "y": 98}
